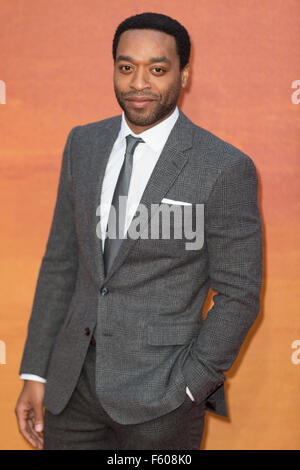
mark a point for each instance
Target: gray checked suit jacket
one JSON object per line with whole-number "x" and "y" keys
{"x": 146, "y": 313}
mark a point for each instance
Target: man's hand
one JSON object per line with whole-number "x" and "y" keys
{"x": 29, "y": 412}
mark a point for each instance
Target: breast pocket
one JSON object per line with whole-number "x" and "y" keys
{"x": 183, "y": 224}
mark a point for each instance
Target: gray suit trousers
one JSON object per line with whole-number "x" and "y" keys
{"x": 84, "y": 424}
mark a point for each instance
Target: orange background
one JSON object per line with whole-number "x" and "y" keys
{"x": 57, "y": 65}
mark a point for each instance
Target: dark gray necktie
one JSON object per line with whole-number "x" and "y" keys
{"x": 112, "y": 245}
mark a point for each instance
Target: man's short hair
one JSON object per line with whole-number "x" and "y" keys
{"x": 158, "y": 22}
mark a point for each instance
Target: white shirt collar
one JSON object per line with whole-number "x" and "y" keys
{"x": 155, "y": 137}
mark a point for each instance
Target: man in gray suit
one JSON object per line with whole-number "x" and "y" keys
{"x": 118, "y": 351}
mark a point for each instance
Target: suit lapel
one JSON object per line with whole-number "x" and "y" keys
{"x": 99, "y": 148}
{"x": 169, "y": 165}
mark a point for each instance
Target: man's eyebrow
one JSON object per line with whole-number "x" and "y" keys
{"x": 160, "y": 59}
{"x": 152, "y": 60}
{"x": 124, "y": 57}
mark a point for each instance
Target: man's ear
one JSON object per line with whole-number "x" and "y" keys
{"x": 185, "y": 75}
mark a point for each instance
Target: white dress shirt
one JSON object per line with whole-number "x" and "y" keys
{"x": 144, "y": 160}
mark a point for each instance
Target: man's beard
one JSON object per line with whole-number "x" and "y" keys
{"x": 163, "y": 106}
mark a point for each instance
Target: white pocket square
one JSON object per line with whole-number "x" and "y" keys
{"x": 172, "y": 201}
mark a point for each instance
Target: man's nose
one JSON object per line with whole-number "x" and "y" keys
{"x": 140, "y": 80}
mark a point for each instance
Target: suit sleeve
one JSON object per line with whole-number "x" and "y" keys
{"x": 57, "y": 276}
{"x": 233, "y": 236}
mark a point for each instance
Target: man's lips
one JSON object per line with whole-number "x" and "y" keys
{"x": 139, "y": 101}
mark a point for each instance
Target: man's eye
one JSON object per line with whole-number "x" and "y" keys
{"x": 158, "y": 70}
{"x": 125, "y": 68}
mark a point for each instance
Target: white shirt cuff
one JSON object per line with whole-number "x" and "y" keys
{"x": 37, "y": 378}
{"x": 189, "y": 394}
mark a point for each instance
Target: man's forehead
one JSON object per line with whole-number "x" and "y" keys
{"x": 153, "y": 37}
{"x": 146, "y": 44}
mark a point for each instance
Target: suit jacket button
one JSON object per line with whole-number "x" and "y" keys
{"x": 104, "y": 291}
{"x": 87, "y": 331}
